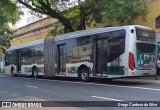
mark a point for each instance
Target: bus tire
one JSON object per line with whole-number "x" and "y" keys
{"x": 84, "y": 74}
{"x": 13, "y": 72}
{"x": 35, "y": 72}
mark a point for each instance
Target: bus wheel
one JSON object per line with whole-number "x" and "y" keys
{"x": 84, "y": 74}
{"x": 13, "y": 72}
{"x": 35, "y": 73}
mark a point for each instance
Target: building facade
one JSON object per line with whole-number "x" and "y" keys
{"x": 33, "y": 31}
{"x": 153, "y": 18}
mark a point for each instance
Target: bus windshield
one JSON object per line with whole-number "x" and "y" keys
{"x": 146, "y": 54}
{"x": 145, "y": 35}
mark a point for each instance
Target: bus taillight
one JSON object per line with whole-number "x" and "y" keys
{"x": 131, "y": 61}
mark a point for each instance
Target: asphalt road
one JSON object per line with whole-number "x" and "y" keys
{"x": 30, "y": 89}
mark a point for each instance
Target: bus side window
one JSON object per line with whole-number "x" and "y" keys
{"x": 39, "y": 53}
{"x": 7, "y": 59}
{"x": 85, "y": 46}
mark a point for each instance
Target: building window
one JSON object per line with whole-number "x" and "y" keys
{"x": 158, "y": 22}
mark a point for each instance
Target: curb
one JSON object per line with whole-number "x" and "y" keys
{"x": 149, "y": 79}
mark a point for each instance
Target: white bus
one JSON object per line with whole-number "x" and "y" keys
{"x": 110, "y": 52}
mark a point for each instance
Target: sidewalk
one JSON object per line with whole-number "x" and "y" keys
{"x": 146, "y": 79}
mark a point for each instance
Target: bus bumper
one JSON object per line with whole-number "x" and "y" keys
{"x": 142, "y": 72}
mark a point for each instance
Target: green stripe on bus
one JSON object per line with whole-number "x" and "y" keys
{"x": 112, "y": 70}
{"x": 40, "y": 69}
{"x": 72, "y": 70}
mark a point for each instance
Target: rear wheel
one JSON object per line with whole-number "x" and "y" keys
{"x": 84, "y": 74}
{"x": 35, "y": 73}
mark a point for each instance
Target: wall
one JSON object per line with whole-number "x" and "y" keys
{"x": 154, "y": 11}
{"x": 33, "y": 31}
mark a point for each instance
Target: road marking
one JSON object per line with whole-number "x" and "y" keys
{"x": 31, "y": 86}
{"x": 107, "y": 85}
{"x": 106, "y": 98}
{"x": 130, "y": 87}
{"x": 2, "y": 76}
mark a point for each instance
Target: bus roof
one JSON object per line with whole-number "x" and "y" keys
{"x": 33, "y": 43}
{"x": 77, "y": 34}
{"x": 95, "y": 31}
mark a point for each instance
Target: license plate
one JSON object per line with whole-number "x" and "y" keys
{"x": 145, "y": 74}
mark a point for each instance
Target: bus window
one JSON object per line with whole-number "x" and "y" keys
{"x": 24, "y": 56}
{"x": 72, "y": 53}
{"x": 116, "y": 45}
{"x": 6, "y": 59}
{"x": 145, "y": 47}
{"x": 9, "y": 58}
{"x": 146, "y": 55}
{"x": 145, "y": 35}
{"x": 62, "y": 59}
{"x": 30, "y": 52}
{"x": 39, "y": 53}
{"x": 85, "y": 48}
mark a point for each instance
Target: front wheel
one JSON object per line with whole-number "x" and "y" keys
{"x": 84, "y": 74}
{"x": 35, "y": 73}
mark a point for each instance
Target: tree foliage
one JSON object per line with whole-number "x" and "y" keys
{"x": 78, "y": 14}
{"x": 9, "y": 14}
{"x": 126, "y": 11}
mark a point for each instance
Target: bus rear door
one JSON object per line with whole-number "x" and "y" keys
{"x": 100, "y": 62}
{"x": 62, "y": 59}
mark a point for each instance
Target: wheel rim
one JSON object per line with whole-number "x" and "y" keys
{"x": 84, "y": 75}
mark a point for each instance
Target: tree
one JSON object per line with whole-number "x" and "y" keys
{"x": 126, "y": 11}
{"x": 77, "y": 14}
{"x": 9, "y": 14}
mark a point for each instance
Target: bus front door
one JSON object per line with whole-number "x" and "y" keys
{"x": 18, "y": 62}
{"x": 62, "y": 59}
{"x": 100, "y": 62}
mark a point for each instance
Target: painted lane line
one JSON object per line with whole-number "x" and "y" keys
{"x": 31, "y": 86}
{"x": 106, "y": 98}
{"x": 107, "y": 85}
{"x": 3, "y": 76}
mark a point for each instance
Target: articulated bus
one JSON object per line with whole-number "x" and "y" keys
{"x": 110, "y": 52}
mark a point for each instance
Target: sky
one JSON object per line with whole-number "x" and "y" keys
{"x": 23, "y": 21}
{"x": 27, "y": 14}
